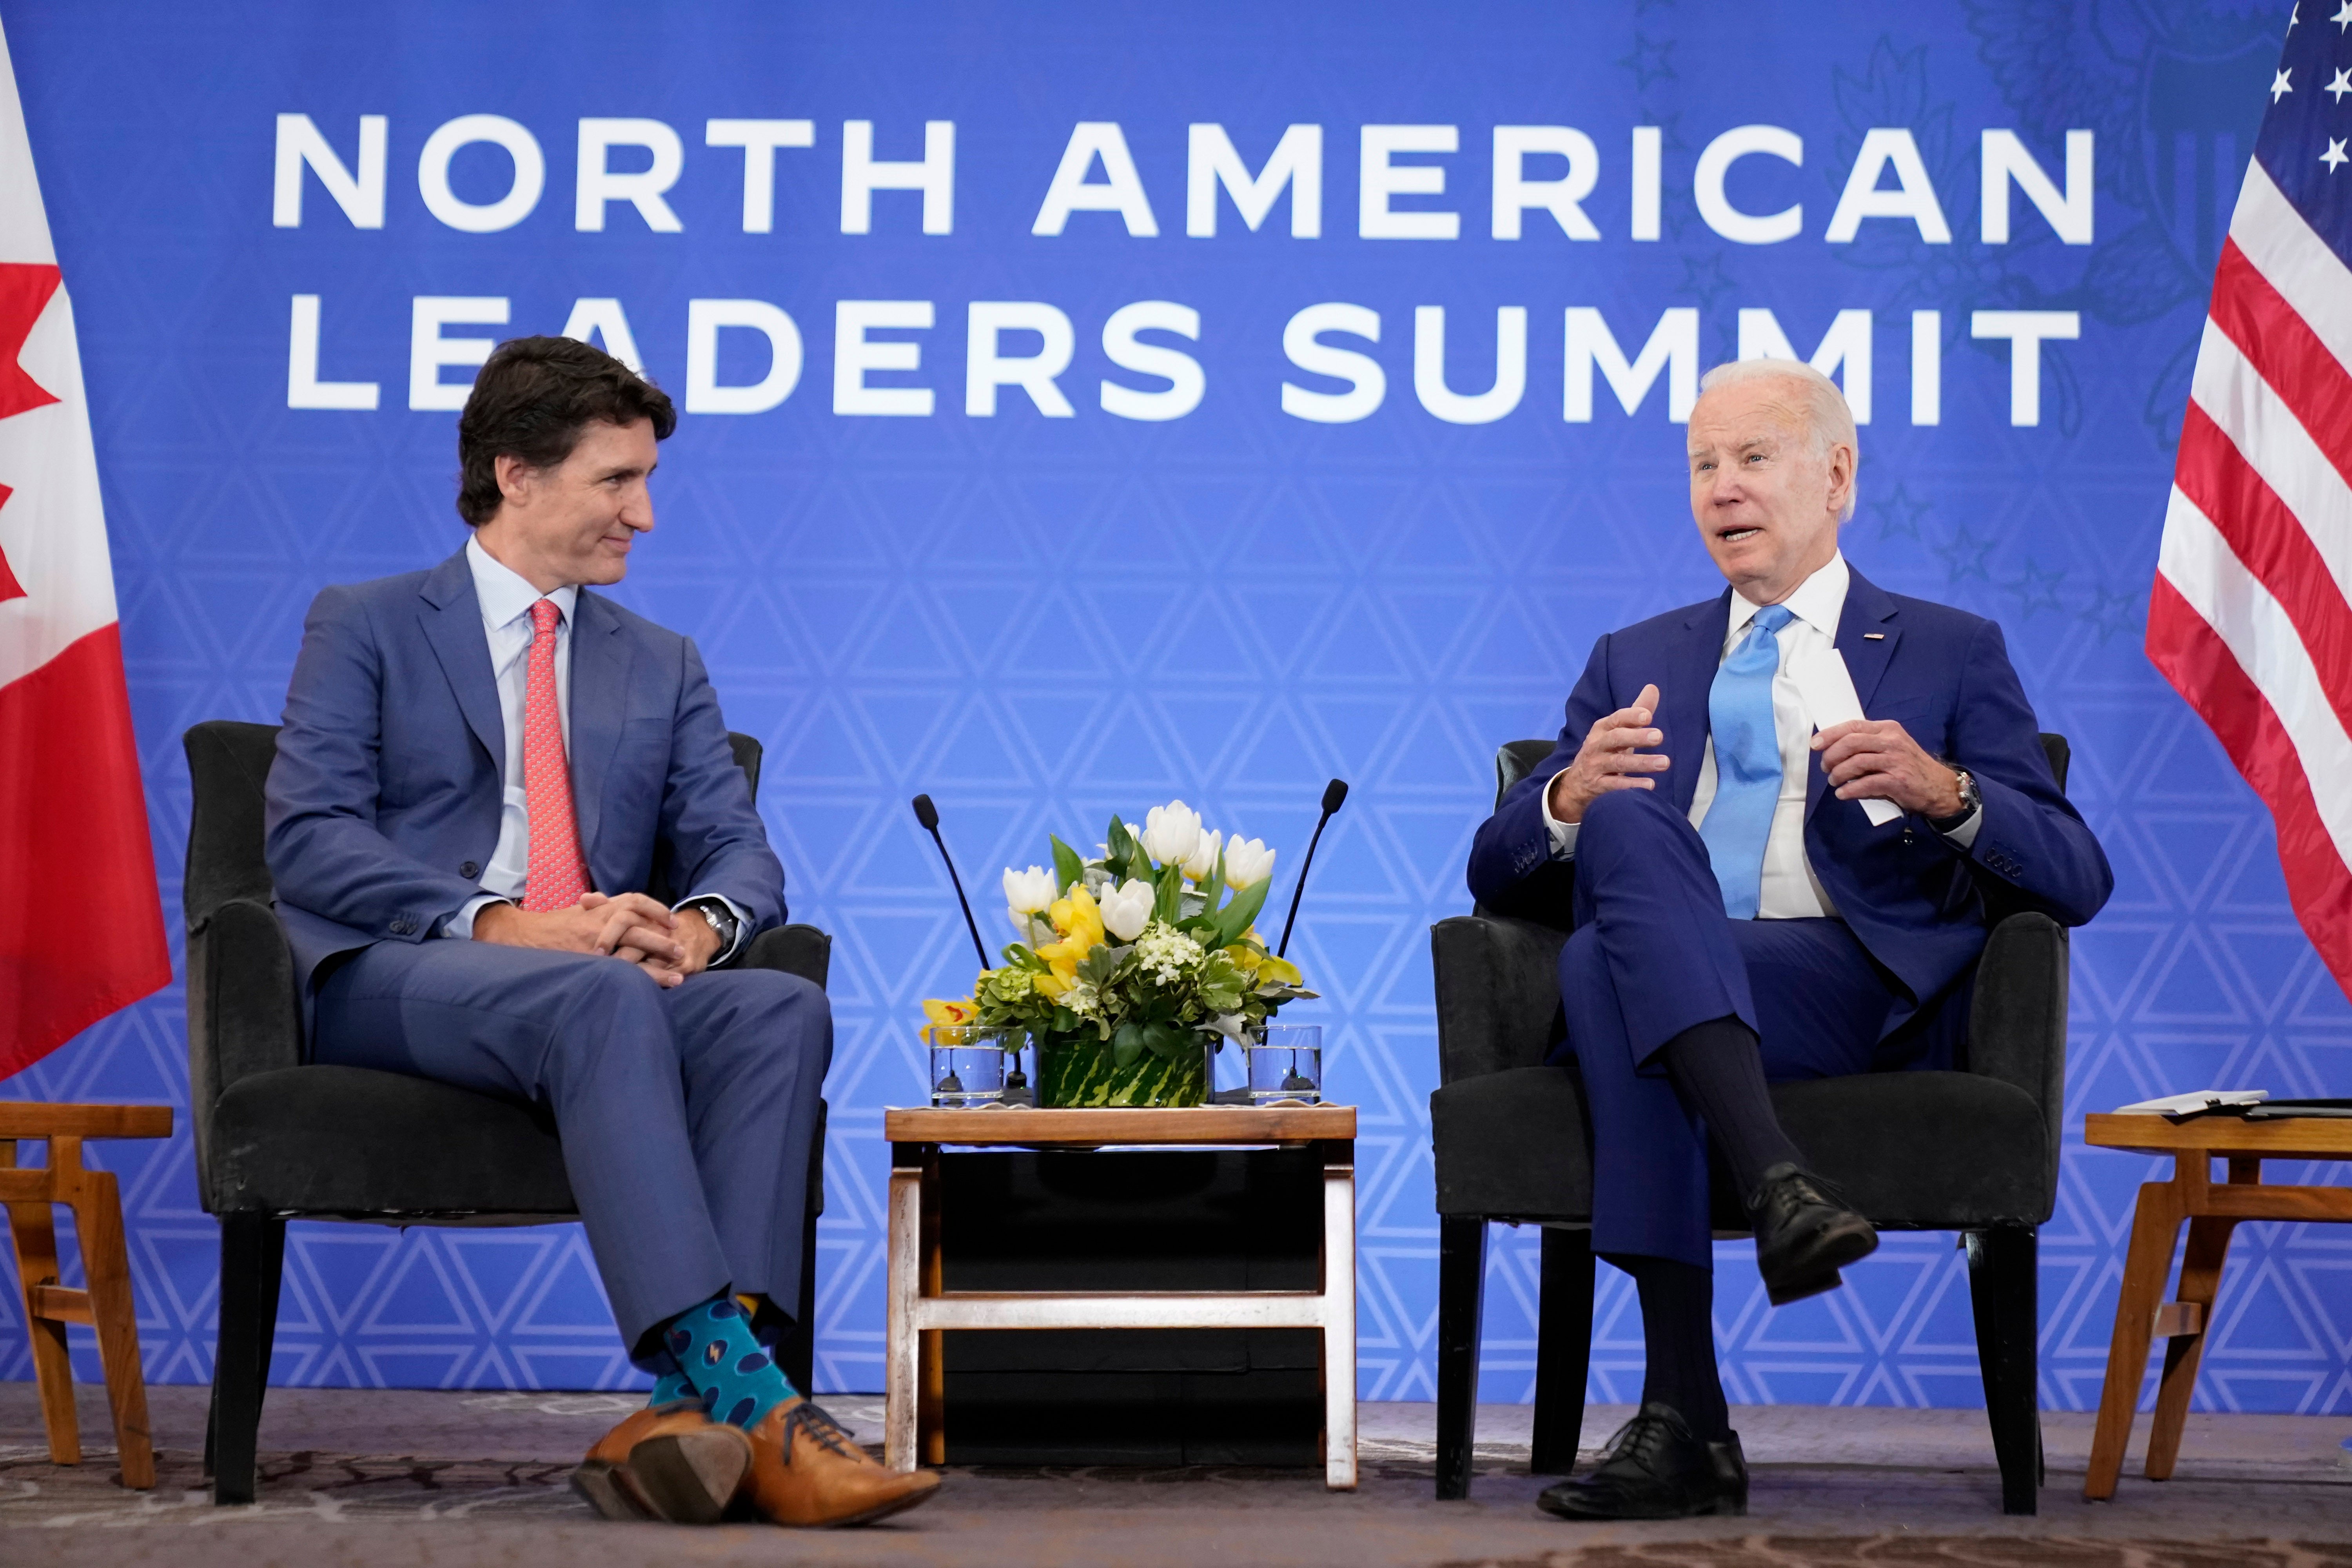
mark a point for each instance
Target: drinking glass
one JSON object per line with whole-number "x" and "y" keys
{"x": 969, "y": 1063}
{"x": 1286, "y": 1063}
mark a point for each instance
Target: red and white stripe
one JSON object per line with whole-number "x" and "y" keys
{"x": 2252, "y": 613}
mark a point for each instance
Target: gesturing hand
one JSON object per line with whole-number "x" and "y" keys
{"x": 1876, "y": 759}
{"x": 630, "y": 926}
{"x": 1611, "y": 759}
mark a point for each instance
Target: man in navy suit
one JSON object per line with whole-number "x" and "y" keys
{"x": 480, "y": 768}
{"x": 1739, "y": 915}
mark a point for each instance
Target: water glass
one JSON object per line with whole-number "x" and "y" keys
{"x": 969, "y": 1063}
{"x": 1286, "y": 1063}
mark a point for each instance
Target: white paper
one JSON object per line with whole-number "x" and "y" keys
{"x": 1827, "y": 688}
{"x": 2195, "y": 1099}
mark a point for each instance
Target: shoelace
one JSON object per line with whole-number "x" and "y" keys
{"x": 1640, "y": 1439}
{"x": 1787, "y": 1195}
{"x": 822, "y": 1429}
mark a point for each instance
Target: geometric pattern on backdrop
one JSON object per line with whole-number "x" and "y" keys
{"x": 1040, "y": 622}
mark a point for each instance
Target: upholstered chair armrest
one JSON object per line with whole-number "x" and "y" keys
{"x": 244, "y": 1014}
{"x": 1497, "y": 993}
{"x": 2017, "y": 1019}
{"x": 801, "y": 950}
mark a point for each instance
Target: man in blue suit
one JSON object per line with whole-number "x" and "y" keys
{"x": 480, "y": 768}
{"x": 1740, "y": 917}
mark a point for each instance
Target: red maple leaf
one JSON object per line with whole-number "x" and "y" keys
{"x": 25, "y": 290}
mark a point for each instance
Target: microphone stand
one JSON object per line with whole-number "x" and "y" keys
{"x": 1016, "y": 1082}
{"x": 1334, "y": 793}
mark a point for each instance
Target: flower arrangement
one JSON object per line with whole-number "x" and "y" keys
{"x": 1129, "y": 963}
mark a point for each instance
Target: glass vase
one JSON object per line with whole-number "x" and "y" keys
{"x": 1078, "y": 1070}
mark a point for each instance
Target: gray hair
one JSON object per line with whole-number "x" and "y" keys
{"x": 1826, "y": 414}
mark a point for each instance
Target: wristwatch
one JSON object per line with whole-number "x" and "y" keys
{"x": 722, "y": 920}
{"x": 1971, "y": 802}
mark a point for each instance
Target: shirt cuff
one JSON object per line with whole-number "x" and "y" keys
{"x": 461, "y": 924}
{"x": 742, "y": 923}
{"x": 1964, "y": 837}
{"x": 1563, "y": 833}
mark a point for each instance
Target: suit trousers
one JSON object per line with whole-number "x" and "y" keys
{"x": 686, "y": 1114}
{"x": 1653, "y": 954}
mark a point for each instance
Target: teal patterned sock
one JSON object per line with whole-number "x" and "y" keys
{"x": 738, "y": 1380}
{"x": 668, "y": 1389}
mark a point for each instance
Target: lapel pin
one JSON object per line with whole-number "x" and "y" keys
{"x": 1873, "y": 637}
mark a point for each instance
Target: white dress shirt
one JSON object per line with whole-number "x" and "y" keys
{"x": 506, "y": 597}
{"x": 1790, "y": 890}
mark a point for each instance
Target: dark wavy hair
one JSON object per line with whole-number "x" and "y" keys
{"x": 531, "y": 402}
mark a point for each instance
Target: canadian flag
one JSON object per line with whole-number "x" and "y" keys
{"x": 81, "y": 926}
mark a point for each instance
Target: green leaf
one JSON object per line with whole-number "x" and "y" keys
{"x": 1068, "y": 867}
{"x": 1234, "y": 919}
{"x": 1166, "y": 1039}
{"x": 1212, "y": 886}
{"x": 1120, "y": 851}
{"x": 1021, "y": 957}
{"x": 1128, "y": 1044}
{"x": 1169, "y": 894}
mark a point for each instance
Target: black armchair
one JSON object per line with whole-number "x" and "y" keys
{"x": 1974, "y": 1151}
{"x": 278, "y": 1138}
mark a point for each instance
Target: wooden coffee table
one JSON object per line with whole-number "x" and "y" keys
{"x": 2213, "y": 1213}
{"x": 915, "y": 1430}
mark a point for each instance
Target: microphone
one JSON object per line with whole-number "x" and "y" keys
{"x": 1334, "y": 795}
{"x": 929, "y": 815}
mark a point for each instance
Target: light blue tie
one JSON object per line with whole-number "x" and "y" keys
{"x": 1747, "y": 763}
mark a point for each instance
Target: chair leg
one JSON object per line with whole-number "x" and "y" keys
{"x": 2003, "y": 1280}
{"x": 251, "y": 1243}
{"x": 1461, "y": 1298}
{"x": 799, "y": 1349}
{"x": 1563, "y": 1350}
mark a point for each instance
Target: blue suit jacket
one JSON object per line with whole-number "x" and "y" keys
{"x": 1910, "y": 897}
{"x": 390, "y": 771}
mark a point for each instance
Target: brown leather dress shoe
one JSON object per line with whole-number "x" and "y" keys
{"x": 807, "y": 1471}
{"x": 667, "y": 1462}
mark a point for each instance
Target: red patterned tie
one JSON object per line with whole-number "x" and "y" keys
{"x": 557, "y": 876}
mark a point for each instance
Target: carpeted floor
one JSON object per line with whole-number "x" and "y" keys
{"x": 453, "y": 1480}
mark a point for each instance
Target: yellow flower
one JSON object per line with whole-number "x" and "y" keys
{"x": 1271, "y": 969}
{"x": 1080, "y": 923}
{"x": 948, "y": 1015}
{"x": 1051, "y": 986}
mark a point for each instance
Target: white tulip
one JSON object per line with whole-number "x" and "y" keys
{"x": 1027, "y": 892}
{"x": 1127, "y": 909}
{"x": 1171, "y": 833}
{"x": 1247, "y": 861}
{"x": 1203, "y": 858}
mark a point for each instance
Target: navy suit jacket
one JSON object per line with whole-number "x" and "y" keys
{"x": 1909, "y": 895}
{"x": 384, "y": 800}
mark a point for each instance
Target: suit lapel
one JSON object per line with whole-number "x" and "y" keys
{"x": 452, "y": 619}
{"x": 1683, "y": 692}
{"x": 600, "y": 686}
{"x": 1868, "y": 609}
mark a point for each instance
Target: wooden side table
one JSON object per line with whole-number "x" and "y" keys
{"x": 920, "y": 1309}
{"x": 105, "y": 1306}
{"x": 2213, "y": 1213}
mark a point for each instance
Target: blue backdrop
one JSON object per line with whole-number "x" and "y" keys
{"x": 1048, "y": 599}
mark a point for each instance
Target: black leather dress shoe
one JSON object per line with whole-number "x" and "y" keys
{"x": 1804, "y": 1235}
{"x": 1656, "y": 1470}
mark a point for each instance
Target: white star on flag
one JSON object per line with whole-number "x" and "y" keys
{"x": 2343, "y": 17}
{"x": 2340, "y": 86}
{"x": 2279, "y": 85}
{"x": 2335, "y": 153}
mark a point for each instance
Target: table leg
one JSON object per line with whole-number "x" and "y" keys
{"x": 33, "y": 1231}
{"x": 2201, "y": 1282}
{"x": 1339, "y": 1315}
{"x": 901, "y": 1378}
{"x": 97, "y": 1221}
{"x": 2156, "y": 1227}
{"x": 931, "y": 1388}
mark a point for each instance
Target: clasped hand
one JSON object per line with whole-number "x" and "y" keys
{"x": 1866, "y": 759}
{"x": 667, "y": 944}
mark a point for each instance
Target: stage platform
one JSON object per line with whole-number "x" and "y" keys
{"x": 457, "y": 1480}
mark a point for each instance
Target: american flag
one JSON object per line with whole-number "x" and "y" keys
{"x": 2252, "y": 613}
